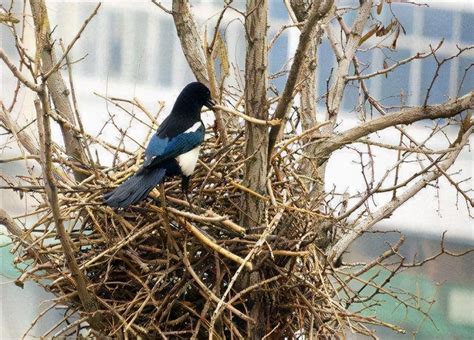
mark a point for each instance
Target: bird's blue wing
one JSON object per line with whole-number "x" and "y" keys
{"x": 162, "y": 149}
{"x": 155, "y": 148}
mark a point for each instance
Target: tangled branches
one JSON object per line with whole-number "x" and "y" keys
{"x": 170, "y": 267}
{"x": 162, "y": 267}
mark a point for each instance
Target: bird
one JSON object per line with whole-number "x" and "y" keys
{"x": 172, "y": 150}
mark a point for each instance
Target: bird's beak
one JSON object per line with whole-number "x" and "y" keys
{"x": 210, "y": 103}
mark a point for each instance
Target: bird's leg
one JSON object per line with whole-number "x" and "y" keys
{"x": 185, "y": 189}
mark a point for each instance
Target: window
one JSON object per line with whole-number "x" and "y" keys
{"x": 326, "y": 61}
{"x": 395, "y": 83}
{"x": 466, "y": 71}
{"x": 278, "y": 58}
{"x": 438, "y": 23}
{"x": 404, "y": 13}
{"x": 165, "y": 48}
{"x": 115, "y": 27}
{"x": 440, "y": 90}
{"x": 140, "y": 46}
{"x": 467, "y": 27}
{"x": 277, "y": 10}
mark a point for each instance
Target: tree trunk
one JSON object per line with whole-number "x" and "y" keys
{"x": 255, "y": 172}
{"x": 256, "y": 149}
{"x": 56, "y": 86}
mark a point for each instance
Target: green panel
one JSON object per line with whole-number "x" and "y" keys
{"x": 7, "y": 268}
{"x": 451, "y": 313}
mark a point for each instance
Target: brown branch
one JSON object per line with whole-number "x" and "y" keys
{"x": 406, "y": 116}
{"x": 250, "y": 119}
{"x": 209, "y": 293}
{"x": 256, "y": 144}
{"x": 71, "y": 44}
{"x": 392, "y": 67}
{"x": 191, "y": 42}
{"x": 386, "y": 210}
{"x": 56, "y": 85}
{"x": 88, "y": 301}
{"x": 13, "y": 228}
{"x": 22, "y": 137}
{"x": 193, "y": 49}
{"x": 318, "y": 11}
{"x": 344, "y": 58}
{"x": 213, "y": 245}
{"x": 16, "y": 72}
{"x": 160, "y": 5}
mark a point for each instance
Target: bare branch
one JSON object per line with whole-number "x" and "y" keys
{"x": 88, "y": 300}
{"x": 56, "y": 85}
{"x": 71, "y": 44}
{"x": 32, "y": 86}
{"x": 343, "y": 243}
{"x": 22, "y": 137}
{"x": 271, "y": 122}
{"x": 318, "y": 11}
{"x": 336, "y": 92}
{"x": 392, "y": 67}
{"x": 191, "y": 41}
{"x": 160, "y": 5}
{"x": 406, "y": 116}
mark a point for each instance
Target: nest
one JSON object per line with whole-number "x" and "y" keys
{"x": 170, "y": 267}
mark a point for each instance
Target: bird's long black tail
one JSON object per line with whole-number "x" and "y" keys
{"x": 134, "y": 189}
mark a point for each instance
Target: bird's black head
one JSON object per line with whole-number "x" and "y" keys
{"x": 192, "y": 98}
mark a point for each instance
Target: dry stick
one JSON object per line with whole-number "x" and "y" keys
{"x": 21, "y": 136}
{"x": 211, "y": 244}
{"x": 268, "y": 230}
{"x": 209, "y": 53}
{"x": 38, "y": 317}
{"x": 71, "y": 44}
{"x": 61, "y": 321}
{"x": 14, "y": 229}
{"x": 406, "y": 116}
{"x": 335, "y": 94}
{"x": 271, "y": 122}
{"x": 66, "y": 328}
{"x": 416, "y": 149}
{"x": 23, "y": 139}
{"x": 286, "y": 143}
{"x": 226, "y": 222}
{"x": 113, "y": 101}
{"x": 106, "y": 145}
{"x": 209, "y": 292}
{"x": 88, "y": 301}
{"x": 170, "y": 239}
{"x": 392, "y": 67}
{"x": 56, "y": 85}
{"x": 318, "y": 11}
{"x": 135, "y": 102}
{"x": 18, "y": 75}
{"x": 338, "y": 249}
{"x": 158, "y": 3}
{"x": 74, "y": 100}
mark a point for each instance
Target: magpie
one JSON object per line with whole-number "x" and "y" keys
{"x": 173, "y": 150}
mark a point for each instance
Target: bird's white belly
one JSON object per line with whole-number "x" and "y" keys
{"x": 187, "y": 161}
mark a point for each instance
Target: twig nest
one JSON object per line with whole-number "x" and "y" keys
{"x": 164, "y": 267}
